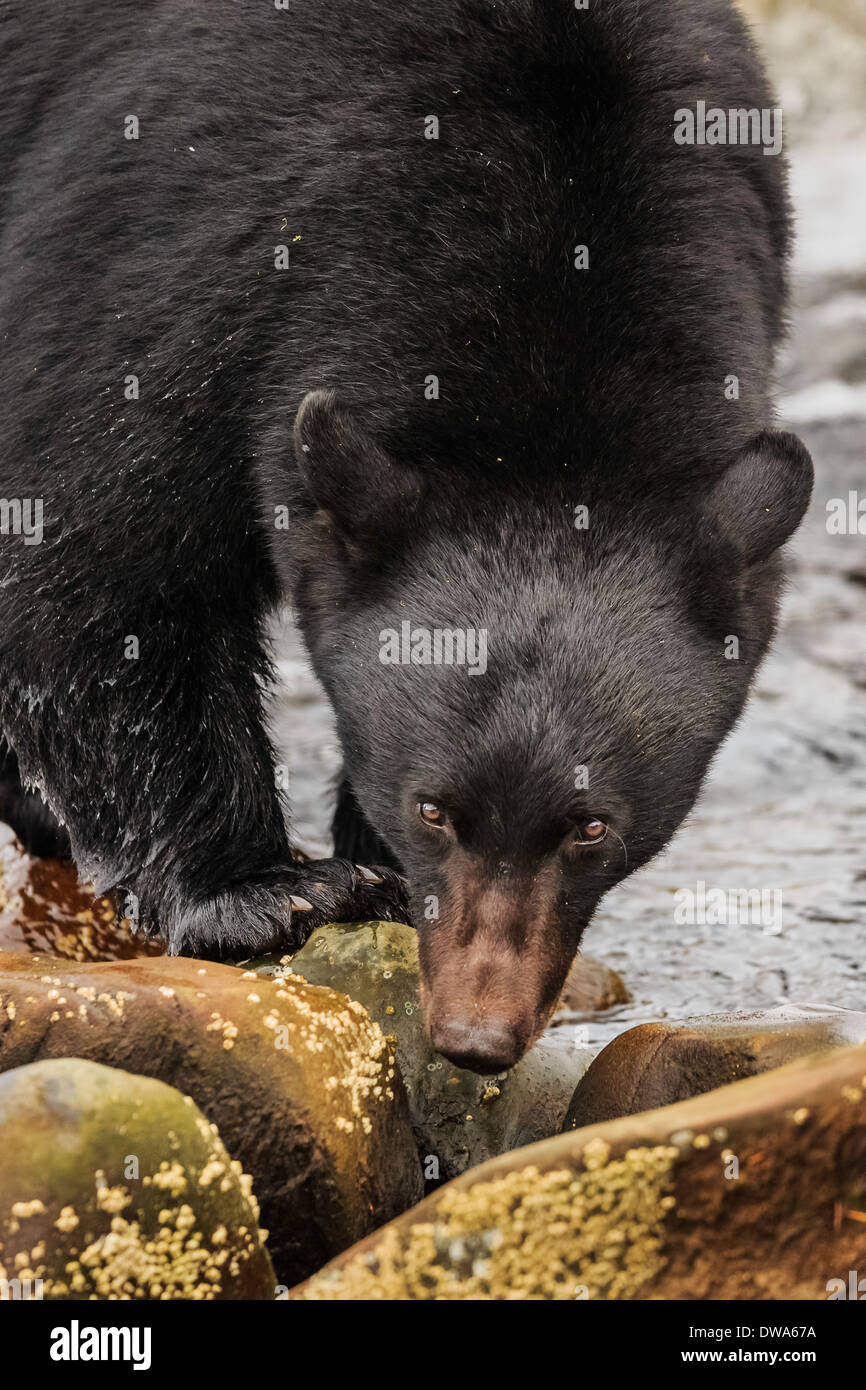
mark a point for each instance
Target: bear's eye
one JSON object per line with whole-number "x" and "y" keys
{"x": 431, "y": 814}
{"x": 590, "y": 832}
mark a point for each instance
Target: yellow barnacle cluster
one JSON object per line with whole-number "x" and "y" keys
{"x": 125, "y": 1263}
{"x": 170, "y": 1177}
{"x": 225, "y": 1027}
{"x": 530, "y": 1234}
{"x": 363, "y": 1069}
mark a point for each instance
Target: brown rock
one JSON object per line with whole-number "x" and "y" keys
{"x": 591, "y": 986}
{"x": 754, "y": 1191}
{"x": 45, "y": 910}
{"x": 660, "y": 1063}
{"x": 299, "y": 1081}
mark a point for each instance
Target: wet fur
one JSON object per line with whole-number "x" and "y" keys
{"x": 408, "y": 257}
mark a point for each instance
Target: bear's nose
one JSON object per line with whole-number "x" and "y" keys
{"x": 484, "y": 1046}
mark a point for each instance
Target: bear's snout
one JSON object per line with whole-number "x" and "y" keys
{"x": 485, "y": 1046}
{"x": 492, "y": 966}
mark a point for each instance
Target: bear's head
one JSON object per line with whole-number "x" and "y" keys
{"x": 528, "y": 695}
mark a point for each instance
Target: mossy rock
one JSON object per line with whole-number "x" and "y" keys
{"x": 459, "y": 1118}
{"x": 299, "y": 1081}
{"x": 116, "y": 1186}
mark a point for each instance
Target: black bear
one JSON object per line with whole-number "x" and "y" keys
{"x": 455, "y": 323}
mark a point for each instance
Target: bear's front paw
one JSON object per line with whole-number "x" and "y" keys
{"x": 280, "y": 912}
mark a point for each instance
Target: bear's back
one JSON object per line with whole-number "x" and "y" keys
{"x": 375, "y": 196}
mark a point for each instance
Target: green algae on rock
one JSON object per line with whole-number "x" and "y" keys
{"x": 300, "y": 1082}
{"x": 115, "y": 1186}
{"x": 458, "y": 1118}
{"x": 753, "y": 1191}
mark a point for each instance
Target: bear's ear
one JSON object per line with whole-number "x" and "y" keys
{"x": 761, "y": 499}
{"x": 350, "y": 476}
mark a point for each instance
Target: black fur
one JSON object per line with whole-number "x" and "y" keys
{"x": 408, "y": 257}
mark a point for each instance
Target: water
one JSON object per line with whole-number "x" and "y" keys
{"x": 785, "y": 806}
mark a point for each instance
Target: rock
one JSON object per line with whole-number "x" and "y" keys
{"x": 458, "y": 1118}
{"x": 754, "y": 1191}
{"x": 590, "y": 987}
{"x": 661, "y": 1063}
{"x": 44, "y": 909}
{"x": 300, "y": 1083}
{"x": 116, "y": 1186}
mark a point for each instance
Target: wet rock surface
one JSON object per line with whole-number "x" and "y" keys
{"x": 44, "y": 909}
{"x": 121, "y": 1190}
{"x": 658, "y": 1064}
{"x": 591, "y": 987}
{"x": 300, "y": 1083}
{"x": 458, "y": 1118}
{"x": 754, "y": 1191}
